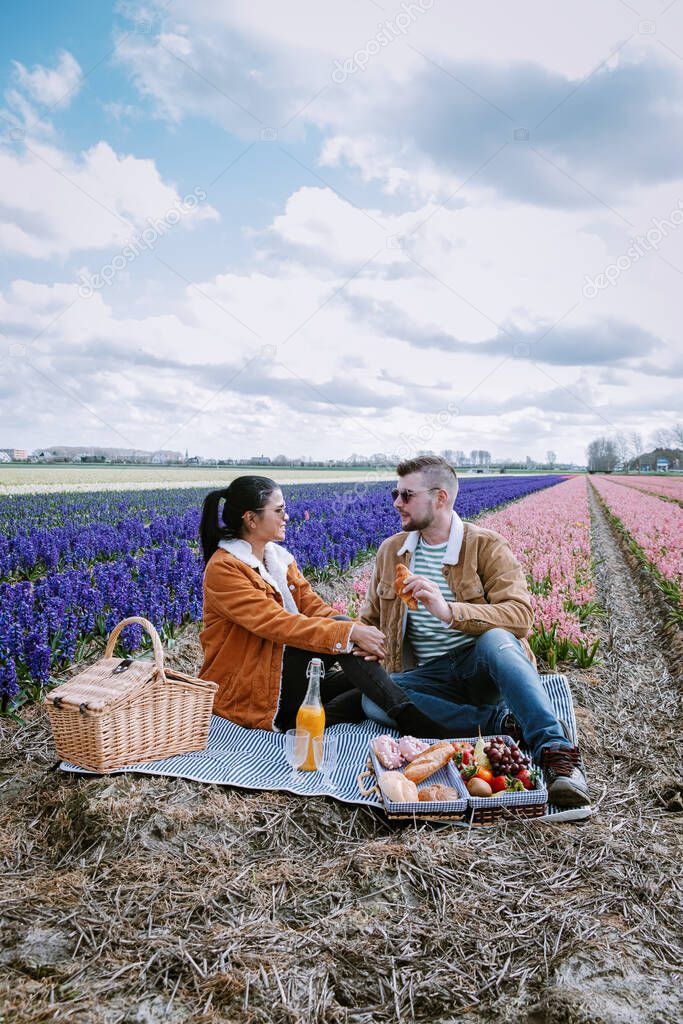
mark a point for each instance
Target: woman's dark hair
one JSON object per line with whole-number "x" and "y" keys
{"x": 245, "y": 494}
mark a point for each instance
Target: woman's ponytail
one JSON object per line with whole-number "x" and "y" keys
{"x": 211, "y": 529}
{"x": 245, "y": 494}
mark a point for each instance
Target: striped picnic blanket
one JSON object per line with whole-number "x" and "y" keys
{"x": 255, "y": 759}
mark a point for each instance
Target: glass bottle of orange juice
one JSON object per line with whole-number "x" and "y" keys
{"x": 311, "y": 714}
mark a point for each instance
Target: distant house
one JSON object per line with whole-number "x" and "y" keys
{"x": 661, "y": 460}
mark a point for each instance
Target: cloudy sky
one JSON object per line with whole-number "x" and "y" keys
{"x": 327, "y": 227}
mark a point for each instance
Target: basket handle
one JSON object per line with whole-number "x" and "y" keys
{"x": 365, "y": 774}
{"x": 146, "y": 625}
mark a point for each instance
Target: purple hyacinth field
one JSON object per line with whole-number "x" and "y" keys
{"x": 73, "y": 565}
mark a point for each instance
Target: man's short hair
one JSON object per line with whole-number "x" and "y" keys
{"x": 435, "y": 470}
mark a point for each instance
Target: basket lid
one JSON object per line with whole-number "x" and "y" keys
{"x": 104, "y": 684}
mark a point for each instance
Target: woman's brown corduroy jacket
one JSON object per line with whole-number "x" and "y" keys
{"x": 246, "y": 628}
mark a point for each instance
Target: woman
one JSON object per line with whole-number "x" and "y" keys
{"x": 263, "y": 622}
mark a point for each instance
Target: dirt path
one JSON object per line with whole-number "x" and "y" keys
{"x": 139, "y": 900}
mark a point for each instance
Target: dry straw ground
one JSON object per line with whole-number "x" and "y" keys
{"x": 143, "y": 900}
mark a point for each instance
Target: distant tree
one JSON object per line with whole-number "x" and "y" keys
{"x": 624, "y": 450}
{"x": 602, "y": 455}
{"x": 662, "y": 438}
{"x": 670, "y": 437}
{"x": 551, "y": 458}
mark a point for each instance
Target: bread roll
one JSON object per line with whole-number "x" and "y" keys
{"x": 438, "y": 792}
{"x": 397, "y": 788}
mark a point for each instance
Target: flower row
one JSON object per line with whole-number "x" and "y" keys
{"x": 550, "y": 535}
{"x": 666, "y": 487}
{"x": 655, "y": 526}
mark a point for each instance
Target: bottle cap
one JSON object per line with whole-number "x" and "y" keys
{"x": 315, "y": 667}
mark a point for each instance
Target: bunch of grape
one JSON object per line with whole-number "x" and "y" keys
{"x": 504, "y": 759}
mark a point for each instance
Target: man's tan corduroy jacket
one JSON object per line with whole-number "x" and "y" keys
{"x": 485, "y": 577}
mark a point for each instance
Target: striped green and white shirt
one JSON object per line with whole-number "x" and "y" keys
{"x": 429, "y": 636}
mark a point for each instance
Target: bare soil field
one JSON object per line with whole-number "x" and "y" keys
{"x": 139, "y": 900}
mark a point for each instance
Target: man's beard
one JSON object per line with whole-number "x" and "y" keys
{"x": 419, "y": 524}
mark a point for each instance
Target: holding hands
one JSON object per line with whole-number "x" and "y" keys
{"x": 368, "y": 642}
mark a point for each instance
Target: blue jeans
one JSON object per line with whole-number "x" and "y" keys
{"x": 474, "y": 688}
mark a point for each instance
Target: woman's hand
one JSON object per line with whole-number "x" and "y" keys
{"x": 369, "y": 640}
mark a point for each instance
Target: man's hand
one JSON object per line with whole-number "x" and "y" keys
{"x": 368, "y": 641}
{"x": 428, "y": 592}
{"x": 358, "y": 652}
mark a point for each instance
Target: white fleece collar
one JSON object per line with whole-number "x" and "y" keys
{"x": 273, "y": 569}
{"x": 454, "y": 541}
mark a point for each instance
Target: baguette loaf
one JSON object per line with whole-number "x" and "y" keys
{"x": 425, "y": 764}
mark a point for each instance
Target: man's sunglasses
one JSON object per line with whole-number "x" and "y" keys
{"x": 405, "y": 495}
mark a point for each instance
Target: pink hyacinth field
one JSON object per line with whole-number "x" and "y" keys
{"x": 653, "y": 530}
{"x": 550, "y": 535}
{"x": 666, "y": 487}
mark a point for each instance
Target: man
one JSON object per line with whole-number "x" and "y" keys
{"x": 462, "y": 657}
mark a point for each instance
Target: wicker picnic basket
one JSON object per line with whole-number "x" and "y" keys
{"x": 121, "y": 711}
{"x": 489, "y": 810}
{"x": 485, "y": 810}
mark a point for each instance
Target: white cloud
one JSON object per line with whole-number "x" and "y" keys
{"x": 435, "y": 104}
{"x": 51, "y": 87}
{"x": 55, "y": 204}
{"x": 43, "y": 87}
